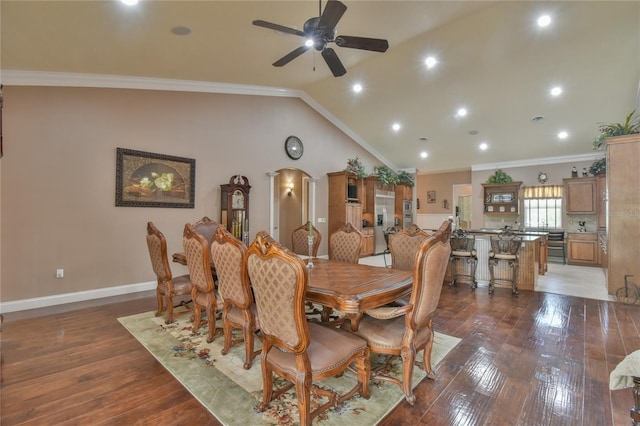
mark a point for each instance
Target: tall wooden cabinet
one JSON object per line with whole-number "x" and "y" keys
{"x": 623, "y": 213}
{"x": 346, "y": 192}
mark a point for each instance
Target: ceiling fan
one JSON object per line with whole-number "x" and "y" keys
{"x": 319, "y": 32}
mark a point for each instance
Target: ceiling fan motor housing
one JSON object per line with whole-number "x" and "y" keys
{"x": 318, "y": 35}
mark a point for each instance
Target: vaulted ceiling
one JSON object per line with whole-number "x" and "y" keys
{"x": 493, "y": 60}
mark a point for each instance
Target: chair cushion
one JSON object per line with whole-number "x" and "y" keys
{"x": 329, "y": 348}
{"x": 463, "y": 253}
{"x": 182, "y": 284}
{"x": 384, "y": 335}
{"x": 235, "y": 316}
{"x": 505, "y": 256}
{"x": 386, "y": 312}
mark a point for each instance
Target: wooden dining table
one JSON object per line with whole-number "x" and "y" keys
{"x": 354, "y": 288}
{"x": 181, "y": 258}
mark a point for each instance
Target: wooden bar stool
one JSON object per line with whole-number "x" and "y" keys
{"x": 504, "y": 249}
{"x": 463, "y": 250}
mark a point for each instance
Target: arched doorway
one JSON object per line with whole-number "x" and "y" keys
{"x": 292, "y": 202}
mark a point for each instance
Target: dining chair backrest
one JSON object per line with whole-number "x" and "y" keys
{"x": 279, "y": 281}
{"x": 345, "y": 244}
{"x": 206, "y": 227}
{"x": 196, "y": 250}
{"x": 430, "y": 267}
{"x": 300, "y": 240}
{"x": 227, "y": 254}
{"x": 157, "y": 246}
{"x": 404, "y": 246}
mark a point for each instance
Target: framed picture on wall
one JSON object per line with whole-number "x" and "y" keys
{"x": 146, "y": 179}
{"x": 431, "y": 196}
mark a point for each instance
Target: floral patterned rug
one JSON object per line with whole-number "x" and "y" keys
{"x": 232, "y": 393}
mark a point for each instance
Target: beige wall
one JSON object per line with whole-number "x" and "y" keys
{"x": 442, "y": 183}
{"x": 58, "y": 175}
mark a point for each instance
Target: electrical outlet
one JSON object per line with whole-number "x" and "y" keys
{"x": 59, "y": 273}
{"x": 322, "y": 219}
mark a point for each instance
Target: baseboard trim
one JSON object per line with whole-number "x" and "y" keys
{"x": 61, "y": 299}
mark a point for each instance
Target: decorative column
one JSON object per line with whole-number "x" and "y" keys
{"x": 272, "y": 226}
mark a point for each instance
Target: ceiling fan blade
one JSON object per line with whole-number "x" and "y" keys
{"x": 333, "y": 11}
{"x": 290, "y": 56}
{"x": 333, "y": 62}
{"x": 281, "y": 28}
{"x": 364, "y": 43}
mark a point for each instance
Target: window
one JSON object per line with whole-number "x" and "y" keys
{"x": 543, "y": 206}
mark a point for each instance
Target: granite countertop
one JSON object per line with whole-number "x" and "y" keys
{"x": 516, "y": 232}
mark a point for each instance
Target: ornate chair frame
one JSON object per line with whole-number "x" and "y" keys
{"x": 168, "y": 286}
{"x": 300, "y": 240}
{"x": 345, "y": 244}
{"x": 203, "y": 296}
{"x": 279, "y": 279}
{"x": 406, "y": 330}
{"x": 227, "y": 253}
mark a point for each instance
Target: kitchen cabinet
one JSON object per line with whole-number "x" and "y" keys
{"x": 367, "y": 245}
{"x": 403, "y": 193}
{"x": 582, "y": 249}
{"x": 623, "y": 232}
{"x": 501, "y": 198}
{"x": 345, "y": 194}
{"x": 580, "y": 195}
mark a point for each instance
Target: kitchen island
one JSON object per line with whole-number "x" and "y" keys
{"x": 532, "y": 258}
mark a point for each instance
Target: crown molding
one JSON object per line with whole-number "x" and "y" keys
{"x": 42, "y": 78}
{"x": 539, "y": 161}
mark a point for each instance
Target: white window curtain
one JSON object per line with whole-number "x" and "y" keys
{"x": 542, "y": 191}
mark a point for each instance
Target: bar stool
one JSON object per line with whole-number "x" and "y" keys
{"x": 504, "y": 248}
{"x": 463, "y": 250}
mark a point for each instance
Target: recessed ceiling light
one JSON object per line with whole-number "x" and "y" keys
{"x": 483, "y": 146}
{"x": 181, "y": 30}
{"x": 461, "y": 112}
{"x": 395, "y": 126}
{"x": 357, "y": 87}
{"x": 431, "y": 62}
{"x": 424, "y": 154}
{"x": 544, "y": 21}
{"x": 130, "y": 2}
{"x": 563, "y": 135}
{"x": 556, "y": 91}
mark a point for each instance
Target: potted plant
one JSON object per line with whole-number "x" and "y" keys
{"x": 630, "y": 126}
{"x": 499, "y": 177}
{"x": 598, "y": 166}
{"x": 385, "y": 176}
{"x": 404, "y": 178}
{"x": 355, "y": 166}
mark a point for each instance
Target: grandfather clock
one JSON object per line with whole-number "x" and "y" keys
{"x": 234, "y": 207}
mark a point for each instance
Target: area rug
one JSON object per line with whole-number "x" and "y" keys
{"x": 232, "y": 393}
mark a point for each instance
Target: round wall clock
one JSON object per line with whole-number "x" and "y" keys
{"x": 293, "y": 147}
{"x": 542, "y": 177}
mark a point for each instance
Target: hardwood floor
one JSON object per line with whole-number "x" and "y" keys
{"x": 533, "y": 359}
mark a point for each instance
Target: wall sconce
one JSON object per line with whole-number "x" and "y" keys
{"x": 290, "y": 190}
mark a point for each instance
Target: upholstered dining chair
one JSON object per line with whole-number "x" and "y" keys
{"x": 301, "y": 352}
{"x": 227, "y": 253}
{"x": 206, "y": 227}
{"x": 345, "y": 244}
{"x": 404, "y": 245}
{"x": 300, "y": 240}
{"x": 168, "y": 285}
{"x": 203, "y": 296}
{"x": 407, "y": 330}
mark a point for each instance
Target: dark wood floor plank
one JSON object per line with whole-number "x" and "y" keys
{"x": 530, "y": 359}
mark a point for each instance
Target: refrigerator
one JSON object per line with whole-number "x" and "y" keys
{"x": 383, "y": 217}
